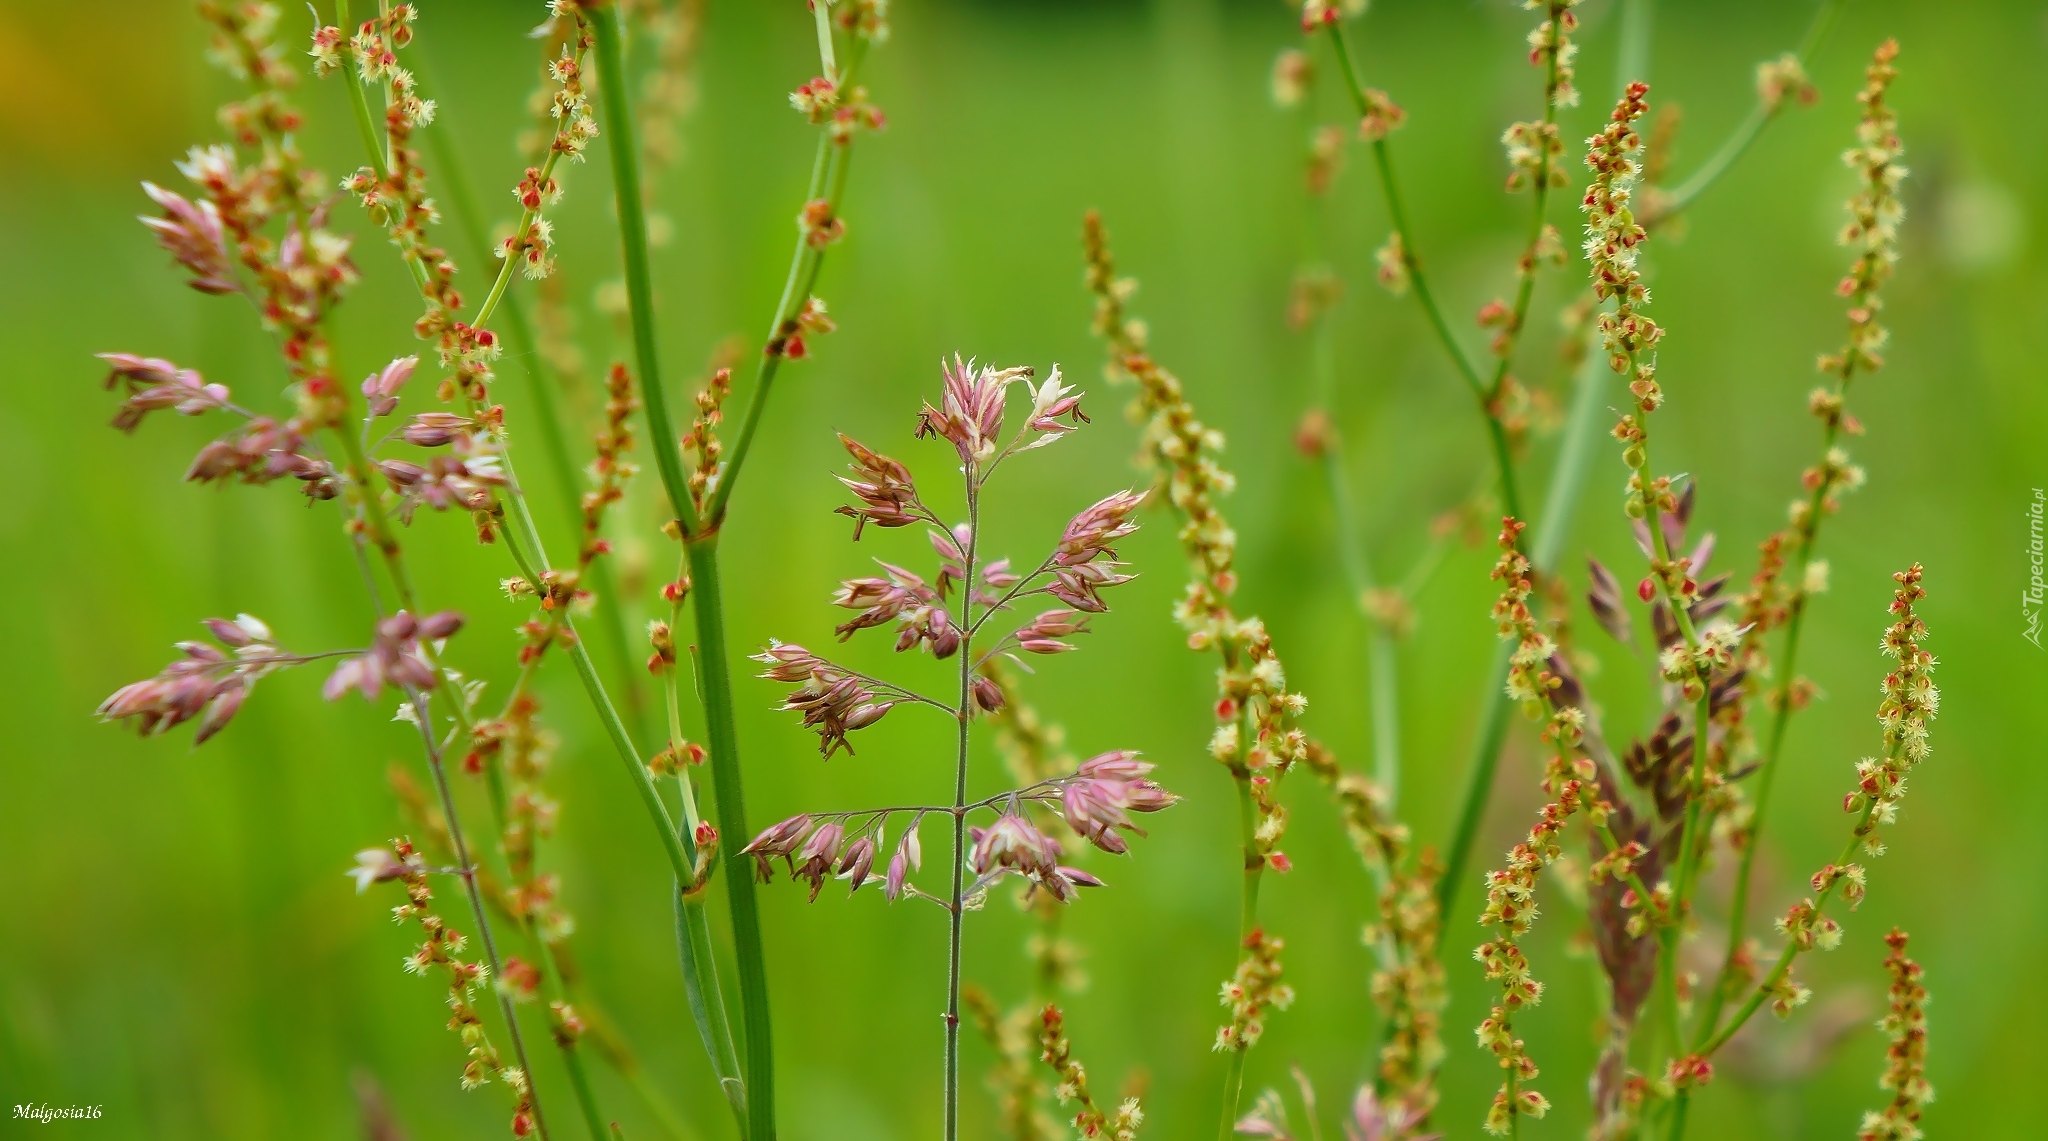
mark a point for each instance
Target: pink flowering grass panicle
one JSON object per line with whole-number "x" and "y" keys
{"x": 948, "y": 615}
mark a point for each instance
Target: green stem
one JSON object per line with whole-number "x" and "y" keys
{"x": 1419, "y": 281}
{"x": 1752, "y": 125}
{"x": 701, "y": 546}
{"x": 707, "y": 999}
{"x": 625, "y": 153}
{"x": 1792, "y": 951}
{"x": 722, "y": 739}
{"x": 1767, "y": 773}
{"x": 1383, "y": 684}
{"x": 1493, "y": 731}
{"x": 828, "y": 179}
{"x": 956, "y": 901}
{"x": 693, "y": 928}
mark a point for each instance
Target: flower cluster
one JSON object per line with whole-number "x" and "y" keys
{"x": 865, "y": 19}
{"x": 970, "y": 411}
{"x": 396, "y": 657}
{"x": 834, "y": 700}
{"x": 259, "y": 451}
{"x": 1293, "y": 76}
{"x": 244, "y": 45}
{"x": 1395, "y": 268}
{"x": 1874, "y": 215}
{"x": 1534, "y": 150}
{"x": 1612, "y": 235}
{"x": 191, "y": 233}
{"x": 393, "y": 189}
{"x": 1905, "y": 1072}
{"x": 1551, "y": 48}
{"x": 1511, "y": 910}
{"x": 1875, "y": 212}
{"x": 207, "y": 683}
{"x": 702, "y": 438}
{"x": 1095, "y": 801}
{"x": 610, "y": 470}
{"x": 1092, "y": 1121}
{"x": 1910, "y": 702}
{"x": 442, "y": 948}
{"x": 887, "y": 494}
{"x": 467, "y": 479}
{"x": 296, "y": 277}
{"x": 1530, "y": 679}
{"x": 1781, "y": 80}
{"x": 1255, "y": 988}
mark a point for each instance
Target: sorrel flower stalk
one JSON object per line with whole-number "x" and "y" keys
{"x": 1511, "y": 892}
{"x": 545, "y": 362}
{"x": 1905, "y": 1072}
{"x": 1789, "y": 574}
{"x": 1629, "y": 336}
{"x": 1255, "y": 736}
{"x": 1910, "y": 702}
{"x": 1092, "y": 1121}
{"x": 947, "y": 616}
{"x": 861, "y": 22}
{"x": 1014, "y": 1078}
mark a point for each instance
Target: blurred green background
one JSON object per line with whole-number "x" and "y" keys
{"x": 177, "y": 941}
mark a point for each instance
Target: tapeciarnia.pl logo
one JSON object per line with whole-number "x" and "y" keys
{"x": 2035, "y": 597}
{"x": 47, "y": 1113}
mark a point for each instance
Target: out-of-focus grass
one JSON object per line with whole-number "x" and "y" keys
{"x": 181, "y": 947}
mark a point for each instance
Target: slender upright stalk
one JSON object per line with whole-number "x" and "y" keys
{"x": 701, "y": 545}
{"x": 728, "y": 798}
{"x": 957, "y": 903}
{"x": 700, "y": 530}
{"x": 828, "y": 181}
{"x": 1397, "y": 214}
{"x": 1752, "y": 125}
